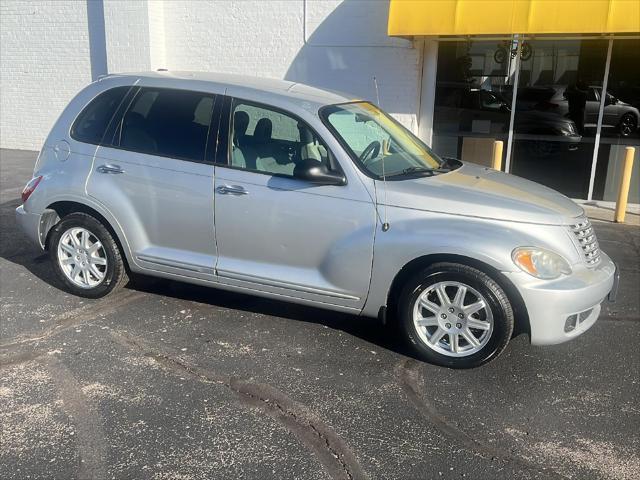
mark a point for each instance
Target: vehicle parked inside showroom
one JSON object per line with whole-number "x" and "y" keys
{"x": 466, "y": 108}
{"x": 291, "y": 192}
{"x": 617, "y": 115}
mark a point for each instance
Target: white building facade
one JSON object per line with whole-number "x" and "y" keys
{"x": 51, "y": 49}
{"x": 457, "y": 86}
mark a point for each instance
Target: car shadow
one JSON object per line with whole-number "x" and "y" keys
{"x": 17, "y": 249}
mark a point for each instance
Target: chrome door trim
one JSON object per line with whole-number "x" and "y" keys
{"x": 175, "y": 264}
{"x": 279, "y": 284}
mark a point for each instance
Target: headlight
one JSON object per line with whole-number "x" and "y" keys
{"x": 540, "y": 263}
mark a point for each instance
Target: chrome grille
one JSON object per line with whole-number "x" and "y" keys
{"x": 586, "y": 238}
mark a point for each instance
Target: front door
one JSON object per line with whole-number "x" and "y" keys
{"x": 282, "y": 235}
{"x": 152, "y": 175}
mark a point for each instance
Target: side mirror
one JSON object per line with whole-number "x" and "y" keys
{"x": 313, "y": 171}
{"x": 610, "y": 100}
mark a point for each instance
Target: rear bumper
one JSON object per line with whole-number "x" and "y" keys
{"x": 562, "y": 309}
{"x": 30, "y": 224}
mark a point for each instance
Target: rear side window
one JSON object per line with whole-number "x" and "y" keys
{"x": 93, "y": 121}
{"x": 169, "y": 123}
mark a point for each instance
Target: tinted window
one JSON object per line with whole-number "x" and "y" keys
{"x": 94, "y": 119}
{"x": 270, "y": 141}
{"x": 169, "y": 123}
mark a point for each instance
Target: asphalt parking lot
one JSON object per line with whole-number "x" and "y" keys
{"x": 170, "y": 381}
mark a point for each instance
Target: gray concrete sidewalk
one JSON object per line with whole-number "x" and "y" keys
{"x": 605, "y": 211}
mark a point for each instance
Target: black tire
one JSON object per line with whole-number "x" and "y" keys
{"x": 496, "y": 298}
{"x": 115, "y": 275}
{"x": 500, "y": 55}
{"x": 628, "y": 124}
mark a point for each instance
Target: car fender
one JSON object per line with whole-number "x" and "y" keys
{"x": 416, "y": 234}
{"x": 92, "y": 204}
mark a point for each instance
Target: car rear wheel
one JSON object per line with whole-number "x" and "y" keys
{"x": 455, "y": 315}
{"x": 628, "y": 124}
{"x": 86, "y": 257}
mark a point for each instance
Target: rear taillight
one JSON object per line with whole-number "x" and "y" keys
{"x": 30, "y": 187}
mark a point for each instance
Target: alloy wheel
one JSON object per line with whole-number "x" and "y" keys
{"x": 82, "y": 257}
{"x": 453, "y": 319}
{"x": 627, "y": 125}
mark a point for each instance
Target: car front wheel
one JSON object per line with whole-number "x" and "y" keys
{"x": 455, "y": 315}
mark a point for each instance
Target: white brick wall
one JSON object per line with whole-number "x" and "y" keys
{"x": 157, "y": 34}
{"x": 44, "y": 61}
{"x": 127, "y": 35}
{"x": 332, "y": 44}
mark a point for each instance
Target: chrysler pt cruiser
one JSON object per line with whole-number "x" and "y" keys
{"x": 295, "y": 193}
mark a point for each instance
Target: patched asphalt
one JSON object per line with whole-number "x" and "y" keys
{"x": 171, "y": 381}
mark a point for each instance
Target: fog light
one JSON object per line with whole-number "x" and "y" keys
{"x": 584, "y": 315}
{"x": 571, "y": 323}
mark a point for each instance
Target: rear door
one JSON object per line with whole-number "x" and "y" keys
{"x": 279, "y": 234}
{"x": 154, "y": 174}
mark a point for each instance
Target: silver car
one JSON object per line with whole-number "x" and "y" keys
{"x": 304, "y": 195}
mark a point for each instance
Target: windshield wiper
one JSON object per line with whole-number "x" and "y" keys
{"x": 425, "y": 170}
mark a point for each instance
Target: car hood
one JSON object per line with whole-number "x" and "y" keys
{"x": 477, "y": 191}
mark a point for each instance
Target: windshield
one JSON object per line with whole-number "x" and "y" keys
{"x": 378, "y": 143}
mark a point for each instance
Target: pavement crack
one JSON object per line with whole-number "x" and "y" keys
{"x": 407, "y": 374}
{"x": 330, "y": 450}
{"x": 72, "y": 318}
{"x": 334, "y": 455}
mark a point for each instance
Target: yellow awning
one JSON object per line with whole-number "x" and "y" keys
{"x": 487, "y": 17}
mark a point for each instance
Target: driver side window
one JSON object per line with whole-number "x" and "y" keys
{"x": 270, "y": 141}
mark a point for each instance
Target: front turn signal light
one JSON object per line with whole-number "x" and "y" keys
{"x": 540, "y": 263}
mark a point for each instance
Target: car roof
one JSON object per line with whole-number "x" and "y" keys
{"x": 292, "y": 91}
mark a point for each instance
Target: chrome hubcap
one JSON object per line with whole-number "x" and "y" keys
{"x": 82, "y": 257}
{"x": 453, "y": 319}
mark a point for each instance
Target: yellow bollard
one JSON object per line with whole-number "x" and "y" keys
{"x": 625, "y": 182}
{"x": 497, "y": 155}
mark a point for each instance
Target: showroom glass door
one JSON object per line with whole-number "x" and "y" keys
{"x": 620, "y": 120}
{"x": 474, "y": 88}
{"x": 558, "y": 95}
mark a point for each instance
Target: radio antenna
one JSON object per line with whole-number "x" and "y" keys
{"x": 385, "y": 220}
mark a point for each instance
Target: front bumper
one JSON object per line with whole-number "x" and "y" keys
{"x": 30, "y": 224}
{"x": 562, "y": 309}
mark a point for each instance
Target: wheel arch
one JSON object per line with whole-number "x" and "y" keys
{"x": 420, "y": 263}
{"x": 60, "y": 209}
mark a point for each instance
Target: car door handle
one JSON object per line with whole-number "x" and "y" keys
{"x": 110, "y": 168}
{"x": 231, "y": 190}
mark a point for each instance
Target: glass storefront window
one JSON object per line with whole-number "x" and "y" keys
{"x": 474, "y": 87}
{"x": 620, "y": 120}
{"x": 554, "y": 119}
{"x": 556, "y": 113}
